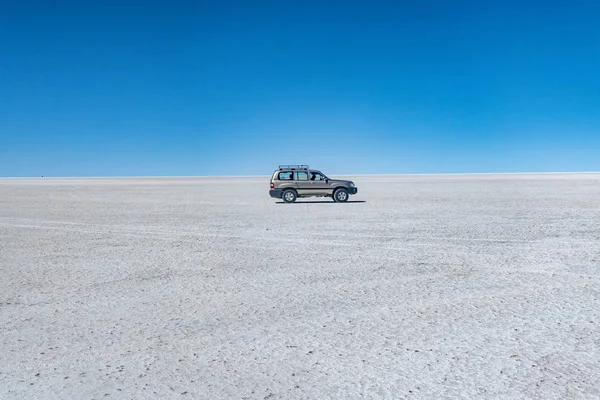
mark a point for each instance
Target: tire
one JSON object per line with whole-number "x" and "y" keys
{"x": 289, "y": 196}
{"x": 341, "y": 195}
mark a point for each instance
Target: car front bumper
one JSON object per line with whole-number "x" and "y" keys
{"x": 276, "y": 193}
{"x": 353, "y": 190}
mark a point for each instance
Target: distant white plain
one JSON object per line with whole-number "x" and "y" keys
{"x": 470, "y": 286}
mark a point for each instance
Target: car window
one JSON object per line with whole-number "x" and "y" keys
{"x": 315, "y": 176}
{"x": 301, "y": 176}
{"x": 285, "y": 176}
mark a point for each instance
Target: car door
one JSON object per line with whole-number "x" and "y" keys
{"x": 319, "y": 184}
{"x": 302, "y": 183}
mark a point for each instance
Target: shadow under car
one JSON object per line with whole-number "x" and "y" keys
{"x": 322, "y": 202}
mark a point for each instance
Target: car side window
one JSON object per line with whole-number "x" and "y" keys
{"x": 301, "y": 176}
{"x": 285, "y": 176}
{"x": 315, "y": 176}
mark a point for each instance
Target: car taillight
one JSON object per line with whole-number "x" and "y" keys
{"x": 272, "y": 185}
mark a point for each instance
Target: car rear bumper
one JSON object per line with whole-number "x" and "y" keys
{"x": 276, "y": 193}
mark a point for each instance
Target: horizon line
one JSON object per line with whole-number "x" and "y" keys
{"x": 262, "y": 176}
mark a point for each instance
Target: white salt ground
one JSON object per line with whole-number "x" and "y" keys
{"x": 474, "y": 286}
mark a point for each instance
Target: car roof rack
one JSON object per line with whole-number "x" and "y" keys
{"x": 293, "y": 167}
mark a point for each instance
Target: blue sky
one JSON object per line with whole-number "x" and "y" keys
{"x": 202, "y": 88}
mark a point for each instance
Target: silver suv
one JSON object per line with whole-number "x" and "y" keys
{"x": 292, "y": 181}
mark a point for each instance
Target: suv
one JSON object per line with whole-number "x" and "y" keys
{"x": 292, "y": 181}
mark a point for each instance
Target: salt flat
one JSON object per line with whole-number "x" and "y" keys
{"x": 474, "y": 286}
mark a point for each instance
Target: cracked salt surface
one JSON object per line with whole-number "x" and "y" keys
{"x": 481, "y": 286}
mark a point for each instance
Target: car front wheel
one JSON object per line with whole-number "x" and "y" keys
{"x": 341, "y": 196}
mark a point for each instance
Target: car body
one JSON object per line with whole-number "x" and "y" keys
{"x": 290, "y": 182}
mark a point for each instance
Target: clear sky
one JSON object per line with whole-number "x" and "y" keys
{"x": 200, "y": 88}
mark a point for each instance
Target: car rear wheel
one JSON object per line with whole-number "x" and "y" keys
{"x": 289, "y": 196}
{"x": 341, "y": 196}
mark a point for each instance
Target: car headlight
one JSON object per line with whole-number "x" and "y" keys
{"x": 352, "y": 184}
